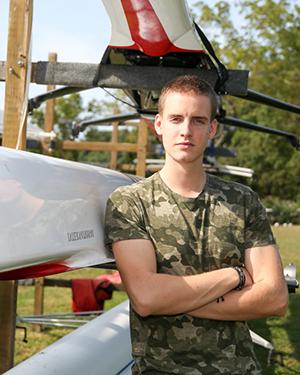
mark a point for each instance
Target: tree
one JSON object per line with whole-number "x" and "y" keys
{"x": 67, "y": 110}
{"x": 115, "y": 102}
{"x": 268, "y": 45}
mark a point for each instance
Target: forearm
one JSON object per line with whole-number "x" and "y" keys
{"x": 162, "y": 294}
{"x": 267, "y": 296}
{"x": 153, "y": 293}
{"x": 253, "y": 302}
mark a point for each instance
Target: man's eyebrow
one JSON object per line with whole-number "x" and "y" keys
{"x": 200, "y": 117}
{"x": 174, "y": 115}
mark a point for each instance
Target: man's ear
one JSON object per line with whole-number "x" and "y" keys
{"x": 158, "y": 124}
{"x": 213, "y": 128}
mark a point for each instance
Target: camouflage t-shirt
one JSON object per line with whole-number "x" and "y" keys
{"x": 190, "y": 236}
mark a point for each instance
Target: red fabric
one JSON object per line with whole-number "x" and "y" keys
{"x": 90, "y": 294}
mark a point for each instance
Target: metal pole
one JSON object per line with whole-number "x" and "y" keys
{"x": 292, "y": 138}
{"x": 258, "y": 97}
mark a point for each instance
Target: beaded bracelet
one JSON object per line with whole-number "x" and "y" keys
{"x": 242, "y": 277}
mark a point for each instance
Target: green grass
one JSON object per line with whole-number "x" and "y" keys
{"x": 56, "y": 300}
{"x": 284, "y": 333}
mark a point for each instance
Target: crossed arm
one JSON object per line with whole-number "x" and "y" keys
{"x": 153, "y": 293}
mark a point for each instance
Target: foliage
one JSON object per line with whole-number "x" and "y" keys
{"x": 268, "y": 45}
{"x": 283, "y": 211}
{"x": 95, "y": 157}
{"x": 102, "y": 108}
{"x": 67, "y": 111}
{"x": 37, "y": 117}
{"x": 114, "y": 102}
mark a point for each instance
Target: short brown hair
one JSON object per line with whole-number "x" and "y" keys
{"x": 189, "y": 84}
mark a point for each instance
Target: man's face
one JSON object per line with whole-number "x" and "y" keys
{"x": 185, "y": 126}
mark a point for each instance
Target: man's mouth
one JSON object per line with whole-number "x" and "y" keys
{"x": 184, "y": 144}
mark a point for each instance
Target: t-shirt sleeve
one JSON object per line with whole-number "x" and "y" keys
{"x": 258, "y": 231}
{"x": 123, "y": 218}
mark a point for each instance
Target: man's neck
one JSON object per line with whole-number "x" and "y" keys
{"x": 186, "y": 180}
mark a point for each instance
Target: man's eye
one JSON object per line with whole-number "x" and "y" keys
{"x": 175, "y": 120}
{"x": 199, "y": 121}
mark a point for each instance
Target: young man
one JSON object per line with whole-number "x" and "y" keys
{"x": 195, "y": 252}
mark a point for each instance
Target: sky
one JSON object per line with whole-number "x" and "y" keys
{"x": 77, "y": 30}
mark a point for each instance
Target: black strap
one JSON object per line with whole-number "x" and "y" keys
{"x": 242, "y": 277}
{"x": 221, "y": 69}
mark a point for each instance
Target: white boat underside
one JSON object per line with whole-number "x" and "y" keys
{"x": 101, "y": 346}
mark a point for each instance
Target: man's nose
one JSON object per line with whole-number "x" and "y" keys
{"x": 186, "y": 128}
